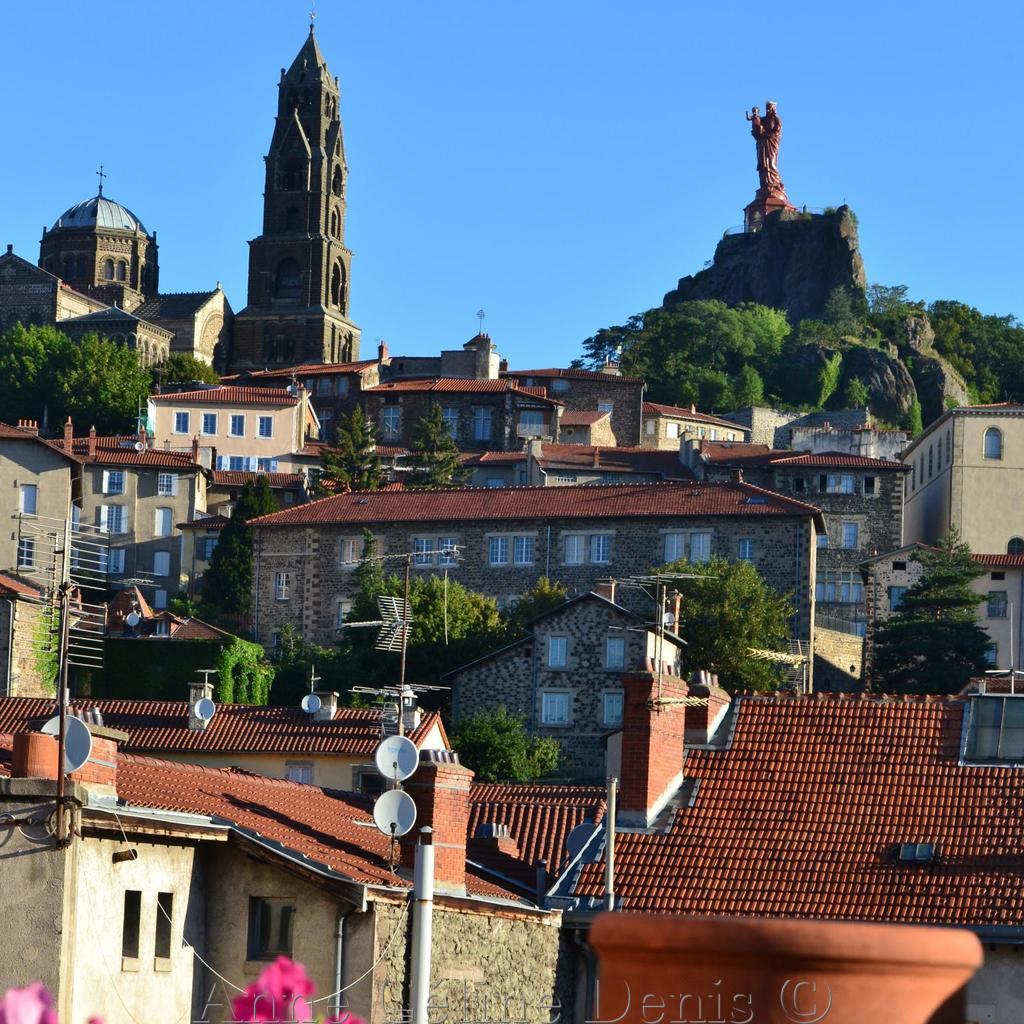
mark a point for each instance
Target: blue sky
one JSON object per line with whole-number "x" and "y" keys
{"x": 558, "y": 163}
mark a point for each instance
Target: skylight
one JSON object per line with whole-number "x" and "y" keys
{"x": 916, "y": 853}
{"x": 995, "y": 729}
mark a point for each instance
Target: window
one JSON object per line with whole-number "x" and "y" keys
{"x": 163, "y": 628}
{"x": 896, "y": 598}
{"x": 611, "y": 707}
{"x": 160, "y": 599}
{"x": 206, "y": 548}
{"x": 112, "y": 519}
{"x": 350, "y": 550}
{"x": 605, "y": 406}
{"x": 281, "y": 581}
{"x": 270, "y": 928}
{"x": 121, "y": 270}
{"x": 265, "y": 426}
{"x": 288, "y": 282}
{"x": 236, "y": 463}
{"x": 997, "y": 604}
{"x": 615, "y": 652}
{"x": 746, "y": 549}
{"x": 113, "y": 481}
{"x": 337, "y": 286}
{"x": 839, "y": 588}
{"x": 450, "y": 416}
{"x": 851, "y": 535}
{"x": 672, "y": 429}
{"x": 675, "y": 546}
{"x": 799, "y": 484}
{"x": 650, "y": 427}
{"x": 531, "y": 422}
{"x": 949, "y": 446}
{"x": 565, "y": 478}
{"x": 423, "y": 551}
{"x": 993, "y": 443}
{"x": 1015, "y": 546}
{"x": 522, "y": 550}
{"x": 162, "y": 525}
{"x": 996, "y": 729}
{"x": 447, "y": 553}
{"x": 992, "y": 655}
{"x": 700, "y": 547}
{"x": 899, "y": 566}
{"x": 869, "y": 486}
{"x": 27, "y": 499}
{"x": 822, "y": 540}
{"x": 237, "y": 425}
{"x": 342, "y": 610}
{"x": 913, "y": 476}
{"x": 181, "y": 422}
{"x": 482, "y": 423}
{"x": 559, "y": 386}
{"x": 601, "y": 548}
{"x": 164, "y": 920}
{"x": 265, "y": 465}
{"x": 323, "y": 385}
{"x": 558, "y": 650}
{"x": 130, "y": 923}
{"x": 161, "y": 563}
{"x": 115, "y": 561}
{"x": 299, "y": 771}
{"x": 108, "y": 270}
{"x": 390, "y": 420}
{"x": 497, "y": 550}
{"x": 930, "y": 461}
{"x": 839, "y": 483}
{"x": 575, "y": 549}
{"x": 167, "y": 484}
{"x": 554, "y": 707}
{"x": 997, "y": 576}
{"x": 26, "y": 553}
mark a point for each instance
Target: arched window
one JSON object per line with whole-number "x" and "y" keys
{"x": 122, "y": 270}
{"x": 291, "y": 219}
{"x": 335, "y": 224}
{"x": 108, "y": 270}
{"x": 287, "y": 282}
{"x": 993, "y": 443}
{"x": 1016, "y": 546}
{"x": 337, "y": 286}
{"x": 336, "y": 183}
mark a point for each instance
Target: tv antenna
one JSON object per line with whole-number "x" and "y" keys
{"x": 481, "y": 316}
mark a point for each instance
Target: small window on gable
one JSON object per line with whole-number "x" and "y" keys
{"x": 1015, "y": 546}
{"x": 270, "y": 928}
{"x": 993, "y": 443}
{"x": 899, "y": 566}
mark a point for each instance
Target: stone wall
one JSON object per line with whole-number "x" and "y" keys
{"x": 838, "y": 661}
{"x": 773, "y": 427}
{"x": 584, "y": 394}
{"x": 23, "y": 666}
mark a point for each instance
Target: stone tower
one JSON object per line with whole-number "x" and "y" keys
{"x": 298, "y": 301}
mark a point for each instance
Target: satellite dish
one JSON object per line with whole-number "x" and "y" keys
{"x": 204, "y": 709}
{"x": 668, "y": 619}
{"x": 133, "y": 619}
{"x": 578, "y": 838}
{"x": 394, "y": 813}
{"x": 139, "y": 446}
{"x": 397, "y": 758}
{"x": 77, "y": 740}
{"x": 311, "y": 703}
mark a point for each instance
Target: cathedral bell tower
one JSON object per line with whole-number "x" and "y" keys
{"x": 298, "y": 302}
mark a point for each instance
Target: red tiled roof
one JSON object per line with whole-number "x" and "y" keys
{"x": 239, "y": 478}
{"x": 455, "y": 384}
{"x": 491, "y": 458}
{"x": 156, "y": 726}
{"x": 582, "y": 418}
{"x": 196, "y": 629}
{"x": 741, "y": 454}
{"x": 314, "y": 370}
{"x": 802, "y": 814}
{"x": 677, "y": 412}
{"x": 665, "y": 464}
{"x": 1009, "y": 561}
{"x": 119, "y": 450}
{"x": 205, "y": 523}
{"x": 590, "y": 501}
{"x": 11, "y": 586}
{"x": 840, "y": 460}
{"x": 391, "y": 451}
{"x": 572, "y": 371}
{"x": 233, "y": 394}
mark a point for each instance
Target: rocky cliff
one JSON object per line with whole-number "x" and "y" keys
{"x": 793, "y": 263}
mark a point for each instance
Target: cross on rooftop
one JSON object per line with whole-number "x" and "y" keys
{"x": 101, "y": 176}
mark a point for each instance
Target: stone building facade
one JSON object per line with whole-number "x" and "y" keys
{"x": 504, "y": 540}
{"x": 30, "y": 295}
{"x": 27, "y": 669}
{"x": 299, "y": 267}
{"x": 199, "y": 323}
{"x": 152, "y": 343}
{"x": 774, "y": 427}
{"x": 564, "y": 679}
{"x": 666, "y": 427}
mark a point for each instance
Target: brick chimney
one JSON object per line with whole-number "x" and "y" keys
{"x": 383, "y": 354}
{"x": 652, "y": 746}
{"x": 29, "y": 426}
{"x": 495, "y": 838}
{"x": 35, "y": 756}
{"x": 69, "y": 433}
{"x": 605, "y": 589}
{"x": 195, "y": 448}
{"x": 328, "y": 706}
{"x": 92, "y": 442}
{"x": 702, "y": 721}
{"x": 196, "y": 692}
{"x": 440, "y": 789}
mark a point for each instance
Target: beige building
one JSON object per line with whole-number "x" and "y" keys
{"x": 967, "y": 473}
{"x": 667, "y": 426}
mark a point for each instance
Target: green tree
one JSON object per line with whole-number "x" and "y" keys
{"x": 227, "y": 584}
{"x": 435, "y": 457}
{"x": 749, "y": 388}
{"x": 182, "y": 368}
{"x": 933, "y": 644}
{"x": 352, "y": 463}
{"x": 841, "y": 312}
{"x": 856, "y": 394}
{"x": 496, "y": 746}
{"x": 726, "y": 610}
{"x": 912, "y": 419}
{"x": 544, "y": 595}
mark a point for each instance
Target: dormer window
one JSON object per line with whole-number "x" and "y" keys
{"x": 995, "y": 729}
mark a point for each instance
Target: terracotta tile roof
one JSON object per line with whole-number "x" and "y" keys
{"x": 456, "y": 385}
{"x": 802, "y": 815}
{"x": 314, "y": 370}
{"x": 840, "y": 460}
{"x": 577, "y": 372}
{"x": 239, "y": 478}
{"x": 665, "y": 464}
{"x": 1000, "y": 561}
{"x": 539, "y": 819}
{"x": 205, "y": 523}
{"x": 740, "y": 453}
{"x": 589, "y": 501}
{"x": 491, "y": 458}
{"x": 119, "y": 450}
{"x": 677, "y": 412}
{"x": 581, "y": 418}
{"x": 156, "y": 726}
{"x": 8, "y": 432}
{"x": 11, "y": 586}
{"x": 391, "y": 451}
{"x": 196, "y": 629}
{"x": 229, "y": 394}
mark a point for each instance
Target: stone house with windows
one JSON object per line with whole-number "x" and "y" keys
{"x": 588, "y": 427}
{"x": 501, "y": 541}
{"x": 152, "y": 343}
{"x": 564, "y": 678}
{"x": 32, "y": 295}
{"x": 966, "y": 472}
{"x": 666, "y": 427}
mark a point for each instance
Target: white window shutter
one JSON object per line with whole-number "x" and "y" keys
{"x": 106, "y": 481}
{"x": 254, "y": 464}
{"x": 174, "y": 484}
{"x": 273, "y": 465}
{"x": 103, "y": 517}
{"x": 125, "y": 526}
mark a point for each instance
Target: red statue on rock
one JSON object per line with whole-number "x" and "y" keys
{"x": 771, "y": 195}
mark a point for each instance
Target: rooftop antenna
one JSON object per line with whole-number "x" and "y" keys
{"x": 313, "y": 678}
{"x": 206, "y": 673}
{"x": 481, "y": 316}
{"x": 100, "y": 174}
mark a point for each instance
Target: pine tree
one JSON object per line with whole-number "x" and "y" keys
{"x": 435, "y": 457}
{"x": 353, "y": 462}
{"x": 227, "y": 584}
{"x": 933, "y": 644}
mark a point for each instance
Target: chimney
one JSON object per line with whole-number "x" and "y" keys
{"x": 411, "y": 713}
{"x": 383, "y": 354}
{"x": 737, "y": 475}
{"x": 611, "y": 369}
{"x": 195, "y": 448}
{"x": 703, "y": 720}
{"x": 69, "y": 433}
{"x": 440, "y": 789}
{"x": 197, "y": 692}
{"x": 605, "y": 589}
{"x": 328, "y": 706}
{"x": 143, "y": 434}
{"x": 652, "y": 746}
{"x": 502, "y": 366}
{"x": 35, "y": 757}
{"x": 596, "y": 462}
{"x": 92, "y": 442}
{"x": 10, "y": 247}
{"x": 495, "y": 837}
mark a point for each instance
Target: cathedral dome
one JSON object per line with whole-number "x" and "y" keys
{"x": 100, "y": 212}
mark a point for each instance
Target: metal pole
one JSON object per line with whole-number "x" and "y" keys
{"x": 422, "y": 926}
{"x": 405, "y": 624}
{"x": 609, "y": 845}
{"x": 63, "y": 592}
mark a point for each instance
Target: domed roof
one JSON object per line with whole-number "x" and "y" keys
{"x": 99, "y": 212}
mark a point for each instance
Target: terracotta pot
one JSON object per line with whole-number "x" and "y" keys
{"x": 663, "y": 969}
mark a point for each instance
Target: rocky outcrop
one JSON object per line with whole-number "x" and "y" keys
{"x": 793, "y": 263}
{"x": 891, "y": 390}
{"x": 938, "y": 386}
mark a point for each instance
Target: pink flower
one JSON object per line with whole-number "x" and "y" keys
{"x": 29, "y": 1005}
{"x": 277, "y": 996}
